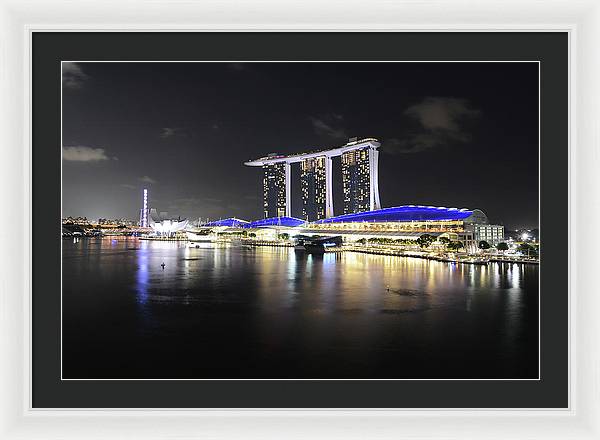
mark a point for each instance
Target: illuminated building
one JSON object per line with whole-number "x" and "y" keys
{"x": 144, "y": 210}
{"x": 313, "y": 184}
{"x": 75, "y": 221}
{"x": 493, "y": 234}
{"x": 168, "y": 228}
{"x": 410, "y": 222}
{"x": 362, "y": 216}
{"x": 233, "y": 222}
{"x": 359, "y": 180}
{"x": 316, "y": 179}
{"x": 276, "y": 190}
{"x": 407, "y": 222}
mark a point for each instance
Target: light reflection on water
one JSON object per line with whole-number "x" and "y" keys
{"x": 142, "y": 276}
{"x": 274, "y": 303}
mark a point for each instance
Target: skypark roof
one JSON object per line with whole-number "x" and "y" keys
{"x": 275, "y": 221}
{"x": 405, "y": 213}
{"x": 330, "y": 152}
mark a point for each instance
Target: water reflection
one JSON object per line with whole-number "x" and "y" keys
{"x": 293, "y": 314}
{"x": 142, "y": 276}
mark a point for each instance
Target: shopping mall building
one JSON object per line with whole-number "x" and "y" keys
{"x": 407, "y": 222}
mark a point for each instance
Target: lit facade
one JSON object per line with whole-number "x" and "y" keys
{"x": 168, "y": 228}
{"x": 404, "y": 222}
{"x": 314, "y": 188}
{"x": 407, "y": 222}
{"x": 356, "y": 181}
{"x": 276, "y": 190}
{"x": 493, "y": 234}
{"x": 360, "y": 180}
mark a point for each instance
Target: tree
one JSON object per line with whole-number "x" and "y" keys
{"x": 284, "y": 236}
{"x": 483, "y": 245}
{"x": 251, "y": 235}
{"x": 445, "y": 240}
{"x": 362, "y": 241}
{"x": 527, "y": 249}
{"x": 502, "y": 247}
{"x": 425, "y": 240}
{"x": 455, "y": 245}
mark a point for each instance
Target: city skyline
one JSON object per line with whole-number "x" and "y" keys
{"x": 129, "y": 126}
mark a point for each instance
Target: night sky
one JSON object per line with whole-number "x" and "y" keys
{"x": 452, "y": 134}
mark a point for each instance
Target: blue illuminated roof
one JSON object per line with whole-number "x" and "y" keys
{"x": 229, "y": 222}
{"x": 275, "y": 221}
{"x": 405, "y": 213}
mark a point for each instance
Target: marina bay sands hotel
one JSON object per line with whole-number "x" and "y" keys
{"x": 359, "y": 161}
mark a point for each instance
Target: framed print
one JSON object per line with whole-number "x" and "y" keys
{"x": 252, "y": 226}
{"x": 311, "y": 268}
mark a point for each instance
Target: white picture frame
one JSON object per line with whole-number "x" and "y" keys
{"x": 18, "y": 19}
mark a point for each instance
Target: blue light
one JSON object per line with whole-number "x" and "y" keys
{"x": 275, "y": 221}
{"x": 403, "y": 213}
{"x": 228, "y": 222}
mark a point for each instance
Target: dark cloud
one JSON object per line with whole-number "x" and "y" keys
{"x": 441, "y": 123}
{"x": 167, "y": 132}
{"x": 82, "y": 153}
{"x": 441, "y": 113}
{"x": 147, "y": 179}
{"x": 329, "y": 125}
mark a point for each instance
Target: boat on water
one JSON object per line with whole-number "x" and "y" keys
{"x": 317, "y": 244}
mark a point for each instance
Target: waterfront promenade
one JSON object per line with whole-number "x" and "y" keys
{"x": 464, "y": 258}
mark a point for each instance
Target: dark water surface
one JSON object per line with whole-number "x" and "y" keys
{"x": 229, "y": 312}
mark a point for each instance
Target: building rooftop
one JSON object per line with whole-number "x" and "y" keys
{"x": 297, "y": 157}
{"x": 231, "y": 222}
{"x": 275, "y": 221}
{"x": 403, "y": 213}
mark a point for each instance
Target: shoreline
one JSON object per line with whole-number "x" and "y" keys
{"x": 461, "y": 259}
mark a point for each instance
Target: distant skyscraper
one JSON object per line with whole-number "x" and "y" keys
{"x": 359, "y": 180}
{"x": 144, "y": 210}
{"x": 314, "y": 188}
{"x": 276, "y": 190}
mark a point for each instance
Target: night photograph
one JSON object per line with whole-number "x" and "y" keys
{"x": 300, "y": 220}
